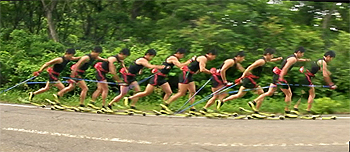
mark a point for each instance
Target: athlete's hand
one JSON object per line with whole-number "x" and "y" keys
{"x": 282, "y": 80}
{"x": 333, "y": 87}
{"x": 227, "y": 84}
{"x": 212, "y": 70}
{"x": 71, "y": 81}
{"x": 73, "y": 75}
{"x": 161, "y": 66}
{"x": 193, "y": 58}
{"x": 154, "y": 70}
{"x": 36, "y": 73}
{"x": 238, "y": 81}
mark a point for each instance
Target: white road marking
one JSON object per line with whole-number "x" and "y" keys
{"x": 167, "y": 143}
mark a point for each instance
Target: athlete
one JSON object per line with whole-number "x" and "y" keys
{"x": 278, "y": 80}
{"x": 307, "y": 85}
{"x": 129, "y": 75}
{"x": 59, "y": 64}
{"x": 251, "y": 75}
{"x": 219, "y": 80}
{"x": 186, "y": 81}
{"x": 77, "y": 74}
{"x": 102, "y": 68}
{"x": 159, "y": 78}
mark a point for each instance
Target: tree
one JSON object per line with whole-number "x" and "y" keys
{"x": 49, "y": 8}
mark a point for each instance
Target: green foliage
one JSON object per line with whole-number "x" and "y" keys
{"x": 326, "y": 105}
{"x": 228, "y": 26}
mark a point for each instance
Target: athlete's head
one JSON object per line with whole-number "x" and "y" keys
{"x": 180, "y": 53}
{"x": 124, "y": 53}
{"x": 268, "y": 53}
{"x": 69, "y": 53}
{"x": 299, "y": 52}
{"x": 150, "y": 54}
{"x": 329, "y": 56}
{"x": 96, "y": 51}
{"x": 211, "y": 54}
{"x": 240, "y": 56}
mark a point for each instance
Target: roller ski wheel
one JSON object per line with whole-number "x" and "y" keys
{"x": 130, "y": 113}
{"x": 249, "y": 117}
{"x": 99, "y": 112}
{"x": 275, "y": 118}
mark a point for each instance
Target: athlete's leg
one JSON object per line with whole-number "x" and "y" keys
{"x": 44, "y": 89}
{"x": 69, "y": 88}
{"x": 240, "y": 94}
{"x": 59, "y": 85}
{"x": 84, "y": 90}
{"x": 298, "y": 102}
{"x": 104, "y": 87}
{"x": 181, "y": 92}
{"x": 260, "y": 99}
{"x": 311, "y": 98}
{"x": 149, "y": 89}
{"x": 137, "y": 89}
{"x": 167, "y": 90}
{"x": 192, "y": 91}
{"x": 123, "y": 91}
{"x": 288, "y": 98}
{"x": 212, "y": 99}
{"x": 97, "y": 92}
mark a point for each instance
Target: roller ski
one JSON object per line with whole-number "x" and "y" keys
{"x": 258, "y": 116}
{"x": 32, "y": 103}
{"x": 92, "y": 105}
{"x": 194, "y": 112}
{"x": 256, "y": 112}
{"x": 136, "y": 112}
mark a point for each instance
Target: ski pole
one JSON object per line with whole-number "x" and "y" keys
{"x": 89, "y": 80}
{"x": 195, "y": 94}
{"x": 18, "y": 84}
{"x": 45, "y": 82}
{"x": 205, "y": 98}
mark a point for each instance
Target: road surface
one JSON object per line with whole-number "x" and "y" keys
{"x": 28, "y": 129}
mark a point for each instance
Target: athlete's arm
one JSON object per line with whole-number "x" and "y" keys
{"x": 82, "y": 60}
{"x": 276, "y": 59}
{"x": 290, "y": 62}
{"x": 123, "y": 65}
{"x": 326, "y": 73}
{"x": 303, "y": 60}
{"x": 111, "y": 68}
{"x": 75, "y": 58}
{"x": 240, "y": 67}
{"x": 202, "y": 63}
{"x": 51, "y": 62}
{"x": 176, "y": 61}
{"x": 227, "y": 64}
{"x": 257, "y": 63}
{"x": 101, "y": 59}
{"x": 146, "y": 64}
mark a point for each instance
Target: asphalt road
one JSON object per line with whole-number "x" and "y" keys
{"x": 29, "y": 129}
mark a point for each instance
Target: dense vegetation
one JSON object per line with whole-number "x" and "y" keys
{"x": 33, "y": 32}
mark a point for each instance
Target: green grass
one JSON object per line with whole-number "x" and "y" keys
{"x": 273, "y": 104}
